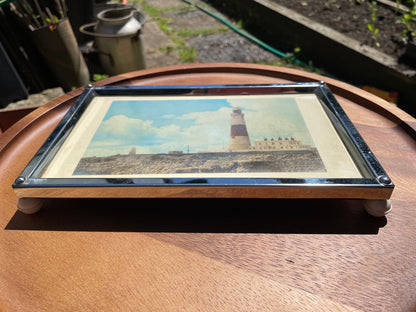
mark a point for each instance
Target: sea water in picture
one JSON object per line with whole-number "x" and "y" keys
{"x": 204, "y": 135}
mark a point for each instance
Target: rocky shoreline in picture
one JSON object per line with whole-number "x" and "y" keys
{"x": 222, "y": 162}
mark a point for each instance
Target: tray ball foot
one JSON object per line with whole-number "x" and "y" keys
{"x": 377, "y": 207}
{"x": 29, "y": 205}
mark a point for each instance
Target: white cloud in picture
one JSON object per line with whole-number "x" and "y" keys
{"x": 202, "y": 126}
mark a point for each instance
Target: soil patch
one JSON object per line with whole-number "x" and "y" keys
{"x": 351, "y": 18}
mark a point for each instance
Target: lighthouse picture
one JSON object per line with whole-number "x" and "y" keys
{"x": 239, "y": 140}
{"x": 180, "y": 136}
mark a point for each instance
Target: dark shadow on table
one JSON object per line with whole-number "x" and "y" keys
{"x": 306, "y": 216}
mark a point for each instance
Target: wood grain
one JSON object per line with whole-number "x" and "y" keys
{"x": 180, "y": 255}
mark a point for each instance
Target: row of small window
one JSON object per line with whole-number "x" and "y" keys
{"x": 270, "y": 148}
{"x": 274, "y": 143}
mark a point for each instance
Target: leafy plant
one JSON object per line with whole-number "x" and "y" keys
{"x": 295, "y": 54}
{"x": 187, "y": 55}
{"x": 408, "y": 19}
{"x": 398, "y": 4}
{"x": 97, "y": 77}
{"x": 373, "y": 25}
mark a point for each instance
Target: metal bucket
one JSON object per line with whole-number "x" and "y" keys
{"x": 118, "y": 39}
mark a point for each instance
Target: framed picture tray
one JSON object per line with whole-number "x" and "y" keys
{"x": 204, "y": 141}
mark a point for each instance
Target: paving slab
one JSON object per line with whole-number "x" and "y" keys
{"x": 154, "y": 38}
{"x": 156, "y": 44}
{"x": 164, "y": 4}
{"x": 37, "y": 99}
{"x": 192, "y": 19}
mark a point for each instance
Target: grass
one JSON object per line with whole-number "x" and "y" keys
{"x": 198, "y": 32}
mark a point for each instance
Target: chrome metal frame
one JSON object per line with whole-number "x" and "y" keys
{"x": 375, "y": 179}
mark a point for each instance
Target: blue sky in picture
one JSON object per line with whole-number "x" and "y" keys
{"x": 160, "y": 126}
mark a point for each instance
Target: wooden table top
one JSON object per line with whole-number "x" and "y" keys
{"x": 215, "y": 254}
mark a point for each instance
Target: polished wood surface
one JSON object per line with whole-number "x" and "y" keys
{"x": 9, "y": 116}
{"x": 212, "y": 254}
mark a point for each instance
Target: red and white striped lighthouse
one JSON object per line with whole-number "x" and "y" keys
{"x": 239, "y": 139}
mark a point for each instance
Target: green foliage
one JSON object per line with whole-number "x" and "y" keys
{"x": 187, "y": 55}
{"x": 398, "y": 4}
{"x": 329, "y": 2}
{"x": 97, "y": 77}
{"x": 408, "y": 19}
{"x": 290, "y": 61}
{"x": 373, "y": 25}
{"x": 50, "y": 21}
{"x": 197, "y": 32}
{"x": 296, "y": 52}
{"x": 156, "y": 14}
